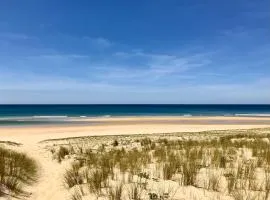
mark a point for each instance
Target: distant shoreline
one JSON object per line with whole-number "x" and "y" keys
{"x": 129, "y": 125}
{"x": 47, "y": 121}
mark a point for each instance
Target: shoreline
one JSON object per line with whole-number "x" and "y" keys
{"x": 43, "y": 144}
{"x": 129, "y": 126}
{"x": 126, "y": 120}
{"x": 85, "y": 117}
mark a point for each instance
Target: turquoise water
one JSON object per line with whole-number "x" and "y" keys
{"x": 50, "y": 114}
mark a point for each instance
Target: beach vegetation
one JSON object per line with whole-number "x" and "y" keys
{"x": 17, "y": 170}
{"x": 72, "y": 176}
{"x": 115, "y": 193}
{"x": 62, "y": 152}
{"x": 233, "y": 163}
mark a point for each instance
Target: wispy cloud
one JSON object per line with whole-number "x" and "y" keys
{"x": 68, "y": 91}
{"x": 15, "y": 36}
{"x": 85, "y": 42}
{"x": 160, "y": 65}
{"x": 109, "y": 69}
{"x": 222, "y": 69}
{"x": 100, "y": 42}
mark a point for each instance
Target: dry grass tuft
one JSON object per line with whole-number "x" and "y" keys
{"x": 16, "y": 171}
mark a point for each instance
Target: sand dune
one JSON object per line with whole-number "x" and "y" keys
{"x": 50, "y": 183}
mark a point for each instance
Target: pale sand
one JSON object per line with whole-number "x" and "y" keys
{"x": 50, "y": 184}
{"x": 130, "y": 125}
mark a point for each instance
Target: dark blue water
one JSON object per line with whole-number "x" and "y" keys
{"x": 23, "y": 114}
{"x": 129, "y": 110}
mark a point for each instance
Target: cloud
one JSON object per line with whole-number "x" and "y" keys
{"x": 102, "y": 42}
{"x": 160, "y": 65}
{"x": 15, "y": 36}
{"x": 220, "y": 93}
{"x": 114, "y": 67}
{"x": 32, "y": 81}
{"x": 82, "y": 67}
{"x": 99, "y": 42}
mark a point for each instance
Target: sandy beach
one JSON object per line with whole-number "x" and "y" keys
{"x": 129, "y": 125}
{"x": 50, "y": 183}
{"x": 134, "y": 100}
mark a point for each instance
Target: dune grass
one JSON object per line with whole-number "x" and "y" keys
{"x": 116, "y": 192}
{"x": 62, "y": 152}
{"x": 72, "y": 176}
{"x": 233, "y": 158}
{"x": 16, "y": 171}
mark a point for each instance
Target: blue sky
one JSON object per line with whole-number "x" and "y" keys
{"x": 65, "y": 51}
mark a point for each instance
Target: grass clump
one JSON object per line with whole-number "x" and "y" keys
{"x": 72, "y": 176}
{"x": 16, "y": 171}
{"x": 62, "y": 152}
{"x": 135, "y": 192}
{"x": 78, "y": 194}
{"x": 115, "y": 193}
{"x": 115, "y": 143}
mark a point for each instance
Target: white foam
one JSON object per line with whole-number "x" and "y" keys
{"x": 187, "y": 115}
{"x": 63, "y": 116}
{"x": 254, "y": 115}
{"x": 106, "y": 116}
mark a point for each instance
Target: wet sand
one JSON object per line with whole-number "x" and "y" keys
{"x": 129, "y": 125}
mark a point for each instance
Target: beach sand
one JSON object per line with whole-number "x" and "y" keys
{"x": 129, "y": 125}
{"x": 50, "y": 184}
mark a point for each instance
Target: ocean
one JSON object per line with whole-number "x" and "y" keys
{"x": 49, "y": 114}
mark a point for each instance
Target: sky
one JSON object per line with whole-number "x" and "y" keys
{"x": 143, "y": 51}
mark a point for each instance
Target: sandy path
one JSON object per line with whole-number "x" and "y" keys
{"x": 49, "y": 185}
